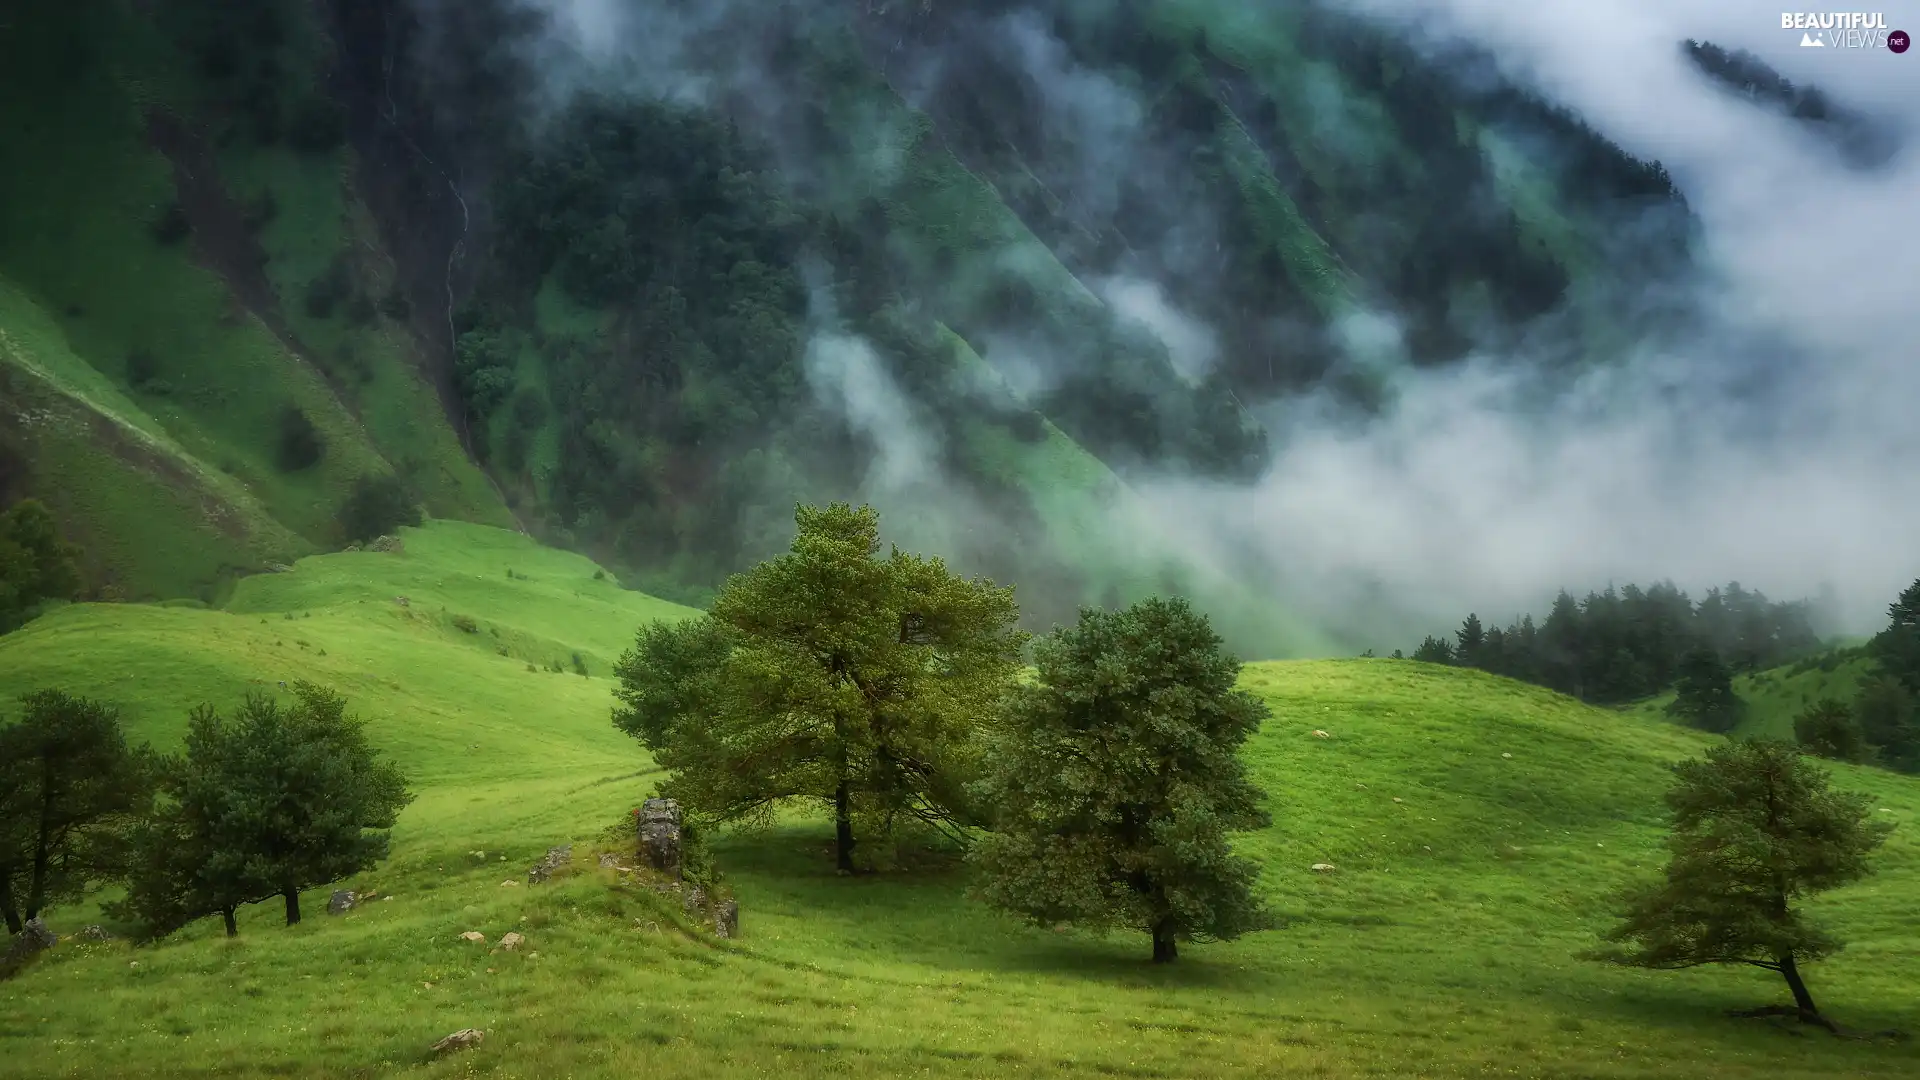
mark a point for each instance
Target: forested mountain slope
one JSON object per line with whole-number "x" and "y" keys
{"x": 651, "y": 282}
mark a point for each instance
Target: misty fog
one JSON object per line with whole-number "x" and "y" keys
{"x": 1774, "y": 443}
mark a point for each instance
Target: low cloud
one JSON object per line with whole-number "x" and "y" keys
{"x": 1776, "y": 445}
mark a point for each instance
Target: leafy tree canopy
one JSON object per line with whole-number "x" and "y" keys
{"x": 828, "y": 674}
{"x": 36, "y": 565}
{"x": 69, "y": 788}
{"x": 1704, "y": 696}
{"x": 1115, "y": 782}
{"x": 1756, "y": 829}
{"x": 1827, "y": 728}
{"x": 1897, "y": 648}
{"x": 271, "y": 801}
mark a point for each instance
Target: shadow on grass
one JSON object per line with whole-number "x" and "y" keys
{"x": 920, "y": 914}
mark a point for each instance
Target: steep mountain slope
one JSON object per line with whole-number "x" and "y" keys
{"x": 984, "y": 264}
{"x": 1442, "y": 945}
{"x": 170, "y": 388}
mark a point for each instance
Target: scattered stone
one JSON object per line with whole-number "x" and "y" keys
{"x": 1359, "y": 787}
{"x": 1396, "y": 798}
{"x": 609, "y": 861}
{"x": 475, "y": 935}
{"x": 426, "y": 986}
{"x": 341, "y": 902}
{"x": 726, "y": 919}
{"x": 33, "y": 939}
{"x": 512, "y": 941}
{"x": 279, "y": 568}
{"x": 1886, "y": 810}
{"x": 551, "y": 861}
{"x": 660, "y": 835}
{"x": 133, "y": 963}
{"x": 508, "y": 884}
{"x": 1318, "y": 734}
{"x": 459, "y": 1040}
{"x": 1323, "y": 868}
{"x": 1506, "y": 755}
{"x": 96, "y": 932}
{"x": 389, "y": 545}
{"x": 402, "y": 601}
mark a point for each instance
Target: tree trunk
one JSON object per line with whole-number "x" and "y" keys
{"x": 37, "y": 888}
{"x": 843, "y": 827}
{"x": 15, "y": 923}
{"x": 293, "y": 906}
{"x": 1801, "y": 999}
{"x": 233, "y": 928}
{"x": 1165, "y": 949}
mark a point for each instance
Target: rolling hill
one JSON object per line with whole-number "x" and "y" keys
{"x": 1478, "y": 826}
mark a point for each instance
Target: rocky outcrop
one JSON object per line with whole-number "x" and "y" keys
{"x": 660, "y": 835}
{"x": 32, "y": 940}
{"x": 341, "y": 901}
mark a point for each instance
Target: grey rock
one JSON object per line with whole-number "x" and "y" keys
{"x": 660, "y": 835}
{"x": 551, "y": 861}
{"x": 96, "y": 932}
{"x": 726, "y": 919}
{"x": 609, "y": 861}
{"x": 390, "y": 545}
{"x": 341, "y": 901}
{"x": 33, "y": 938}
{"x": 460, "y": 1040}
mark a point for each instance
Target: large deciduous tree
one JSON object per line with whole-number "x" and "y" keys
{"x": 1115, "y": 782}
{"x": 69, "y": 789}
{"x": 275, "y": 800}
{"x": 827, "y": 674}
{"x": 1756, "y": 829}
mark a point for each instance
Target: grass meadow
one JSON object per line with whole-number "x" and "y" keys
{"x": 1477, "y": 825}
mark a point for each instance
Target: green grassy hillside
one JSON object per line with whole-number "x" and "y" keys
{"x": 163, "y": 340}
{"x": 1477, "y": 825}
{"x": 1777, "y": 695}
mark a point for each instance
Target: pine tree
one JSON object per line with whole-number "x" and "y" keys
{"x": 1889, "y": 721}
{"x": 1827, "y": 728}
{"x": 1473, "y": 641}
{"x": 1897, "y": 648}
{"x": 1704, "y": 696}
{"x": 1116, "y": 783}
{"x": 1434, "y": 650}
{"x": 1755, "y": 829}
